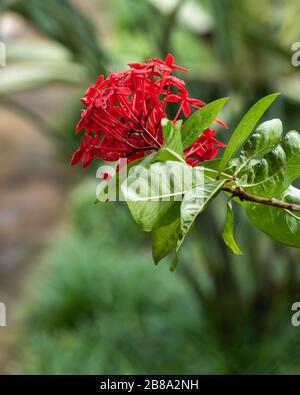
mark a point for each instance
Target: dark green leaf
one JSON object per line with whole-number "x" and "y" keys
{"x": 164, "y": 240}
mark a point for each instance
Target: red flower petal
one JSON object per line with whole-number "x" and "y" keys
{"x": 186, "y": 108}
{"x": 173, "y": 98}
{"x": 76, "y": 157}
{"x": 169, "y": 59}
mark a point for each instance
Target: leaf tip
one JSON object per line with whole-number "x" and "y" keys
{"x": 273, "y": 95}
{"x": 174, "y": 263}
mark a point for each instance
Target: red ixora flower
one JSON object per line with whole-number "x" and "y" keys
{"x": 123, "y": 114}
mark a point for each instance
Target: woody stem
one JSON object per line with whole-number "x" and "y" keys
{"x": 242, "y": 195}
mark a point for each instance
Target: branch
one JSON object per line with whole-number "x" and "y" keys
{"x": 242, "y": 195}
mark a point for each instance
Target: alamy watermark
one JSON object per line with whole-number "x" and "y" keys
{"x": 162, "y": 181}
{"x": 2, "y": 314}
{"x": 2, "y": 54}
{"x": 295, "y": 320}
{"x": 296, "y": 55}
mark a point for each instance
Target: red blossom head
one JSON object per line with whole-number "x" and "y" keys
{"x": 123, "y": 114}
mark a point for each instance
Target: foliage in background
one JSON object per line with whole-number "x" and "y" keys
{"x": 99, "y": 307}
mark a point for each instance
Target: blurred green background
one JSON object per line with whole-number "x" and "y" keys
{"x": 83, "y": 295}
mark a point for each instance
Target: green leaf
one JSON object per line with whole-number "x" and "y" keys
{"x": 199, "y": 121}
{"x": 151, "y": 192}
{"x": 165, "y": 235}
{"x": 212, "y": 164}
{"x": 174, "y": 262}
{"x": 211, "y": 168}
{"x": 170, "y": 216}
{"x": 245, "y": 127}
{"x": 172, "y": 148}
{"x": 228, "y": 234}
{"x": 267, "y": 135}
{"x": 291, "y": 147}
{"x": 194, "y": 202}
{"x": 167, "y": 127}
{"x": 164, "y": 240}
{"x": 278, "y": 168}
{"x": 281, "y": 225}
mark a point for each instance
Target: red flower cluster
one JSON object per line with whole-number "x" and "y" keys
{"x": 123, "y": 114}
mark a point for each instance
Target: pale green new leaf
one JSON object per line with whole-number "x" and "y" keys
{"x": 172, "y": 148}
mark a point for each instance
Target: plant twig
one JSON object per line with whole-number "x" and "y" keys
{"x": 242, "y": 195}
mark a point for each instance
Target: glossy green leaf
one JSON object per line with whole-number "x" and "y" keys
{"x": 151, "y": 192}
{"x": 278, "y": 168}
{"x": 170, "y": 216}
{"x": 228, "y": 231}
{"x": 199, "y": 121}
{"x": 194, "y": 202}
{"x": 281, "y": 225}
{"x": 245, "y": 127}
{"x": 166, "y": 233}
{"x": 164, "y": 240}
{"x": 266, "y": 136}
{"x": 291, "y": 147}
